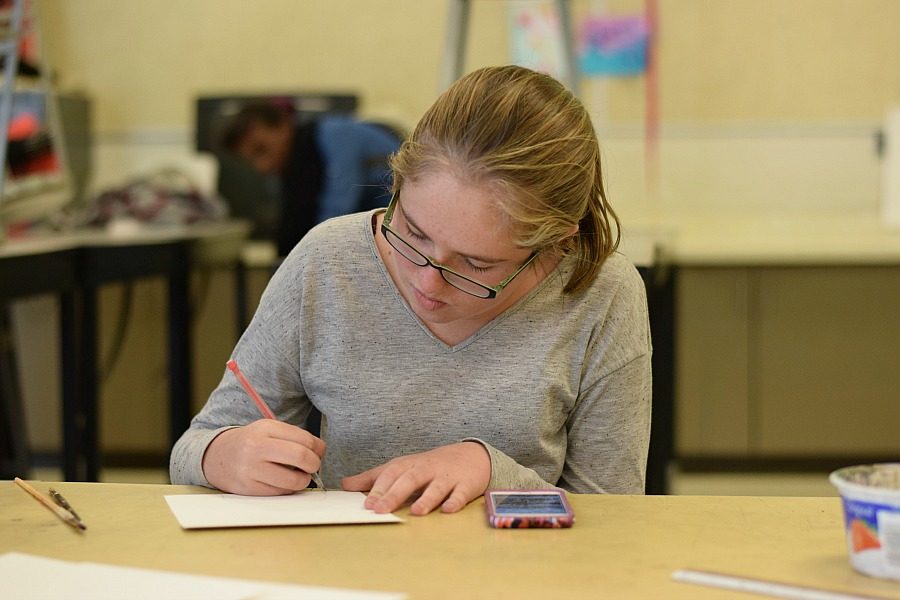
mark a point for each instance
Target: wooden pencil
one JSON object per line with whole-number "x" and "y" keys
{"x": 57, "y": 510}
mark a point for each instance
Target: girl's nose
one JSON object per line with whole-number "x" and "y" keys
{"x": 431, "y": 280}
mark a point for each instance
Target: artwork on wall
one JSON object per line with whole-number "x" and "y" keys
{"x": 614, "y": 46}
{"x": 535, "y": 40}
{"x": 610, "y": 46}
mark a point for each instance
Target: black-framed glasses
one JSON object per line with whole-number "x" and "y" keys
{"x": 457, "y": 280}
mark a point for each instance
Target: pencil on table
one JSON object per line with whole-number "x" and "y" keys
{"x": 57, "y": 510}
{"x": 59, "y": 500}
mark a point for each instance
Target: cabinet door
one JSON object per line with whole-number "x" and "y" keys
{"x": 711, "y": 394}
{"x": 825, "y": 362}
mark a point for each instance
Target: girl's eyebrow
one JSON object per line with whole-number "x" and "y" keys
{"x": 419, "y": 231}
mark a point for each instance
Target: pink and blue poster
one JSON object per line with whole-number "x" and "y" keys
{"x": 614, "y": 46}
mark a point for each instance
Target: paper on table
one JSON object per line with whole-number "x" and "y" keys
{"x": 203, "y": 511}
{"x": 26, "y": 577}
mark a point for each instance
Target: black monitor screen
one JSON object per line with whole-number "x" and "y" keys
{"x": 31, "y": 150}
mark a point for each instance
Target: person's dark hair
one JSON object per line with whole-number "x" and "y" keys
{"x": 255, "y": 113}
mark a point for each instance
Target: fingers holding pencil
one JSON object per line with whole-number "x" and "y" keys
{"x": 263, "y": 458}
{"x": 268, "y": 414}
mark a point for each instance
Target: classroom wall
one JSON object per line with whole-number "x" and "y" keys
{"x": 766, "y": 106}
{"x": 721, "y": 61}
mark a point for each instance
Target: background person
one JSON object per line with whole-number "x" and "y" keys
{"x": 333, "y": 165}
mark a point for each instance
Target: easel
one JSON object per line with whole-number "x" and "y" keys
{"x": 457, "y": 35}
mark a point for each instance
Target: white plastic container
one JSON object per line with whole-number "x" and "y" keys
{"x": 871, "y": 498}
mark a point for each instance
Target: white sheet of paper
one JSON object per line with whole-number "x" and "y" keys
{"x": 204, "y": 511}
{"x": 26, "y": 577}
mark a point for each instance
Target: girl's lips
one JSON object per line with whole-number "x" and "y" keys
{"x": 426, "y": 301}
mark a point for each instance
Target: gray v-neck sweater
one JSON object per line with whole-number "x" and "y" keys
{"x": 557, "y": 388}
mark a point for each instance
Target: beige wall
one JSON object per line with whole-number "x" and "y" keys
{"x": 144, "y": 62}
{"x": 721, "y": 61}
{"x": 766, "y": 105}
{"x": 778, "y": 60}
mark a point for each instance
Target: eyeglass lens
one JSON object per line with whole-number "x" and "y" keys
{"x": 416, "y": 257}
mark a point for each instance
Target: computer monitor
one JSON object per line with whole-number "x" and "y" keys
{"x": 36, "y": 177}
{"x": 35, "y": 180}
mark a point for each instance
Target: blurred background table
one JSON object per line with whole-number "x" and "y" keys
{"x": 74, "y": 265}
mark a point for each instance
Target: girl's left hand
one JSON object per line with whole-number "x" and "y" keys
{"x": 449, "y": 476}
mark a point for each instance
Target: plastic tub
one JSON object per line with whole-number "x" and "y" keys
{"x": 871, "y": 498}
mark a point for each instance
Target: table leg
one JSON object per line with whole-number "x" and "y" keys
{"x": 240, "y": 290}
{"x": 661, "y": 301}
{"x": 72, "y": 417}
{"x": 81, "y": 386}
{"x": 180, "y": 350}
{"x": 14, "y": 451}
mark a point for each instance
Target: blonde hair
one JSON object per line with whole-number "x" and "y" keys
{"x": 526, "y": 133}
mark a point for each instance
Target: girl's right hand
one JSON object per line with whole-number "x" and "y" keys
{"x": 265, "y": 458}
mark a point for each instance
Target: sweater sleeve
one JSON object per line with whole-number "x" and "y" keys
{"x": 607, "y": 441}
{"x": 608, "y": 430}
{"x": 267, "y": 354}
{"x": 609, "y": 433}
{"x": 507, "y": 474}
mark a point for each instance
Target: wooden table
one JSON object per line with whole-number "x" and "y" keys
{"x": 620, "y": 546}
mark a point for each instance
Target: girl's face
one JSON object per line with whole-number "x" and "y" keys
{"x": 458, "y": 225}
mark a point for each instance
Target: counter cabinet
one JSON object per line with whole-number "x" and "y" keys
{"x": 780, "y": 362}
